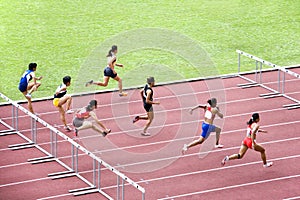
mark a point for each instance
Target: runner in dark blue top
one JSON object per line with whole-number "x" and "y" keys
{"x": 147, "y": 96}
{"x": 109, "y": 71}
{"x": 27, "y": 87}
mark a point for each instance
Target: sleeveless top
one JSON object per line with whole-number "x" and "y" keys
{"x": 113, "y": 57}
{"x": 208, "y": 114}
{"x": 83, "y": 113}
{"x": 62, "y": 93}
{"x": 146, "y": 88}
{"x": 249, "y": 130}
{"x": 26, "y": 77}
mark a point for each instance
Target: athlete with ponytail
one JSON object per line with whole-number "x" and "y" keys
{"x": 211, "y": 110}
{"x": 250, "y": 142}
{"x": 109, "y": 71}
{"x": 80, "y": 122}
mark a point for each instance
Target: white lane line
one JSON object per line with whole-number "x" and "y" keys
{"x": 232, "y": 186}
{"x": 56, "y": 196}
{"x": 208, "y": 170}
{"x": 162, "y": 142}
{"x": 292, "y": 198}
{"x": 171, "y": 124}
{"x": 164, "y": 97}
{"x": 173, "y": 140}
{"x": 160, "y": 178}
{"x": 176, "y": 175}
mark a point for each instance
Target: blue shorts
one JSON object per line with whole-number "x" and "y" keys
{"x": 207, "y": 129}
{"x": 23, "y": 87}
{"x": 109, "y": 72}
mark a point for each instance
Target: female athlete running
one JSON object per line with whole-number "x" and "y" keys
{"x": 80, "y": 122}
{"x": 60, "y": 98}
{"x": 27, "y": 87}
{"x": 147, "y": 96}
{"x": 109, "y": 71}
{"x": 211, "y": 110}
{"x": 250, "y": 142}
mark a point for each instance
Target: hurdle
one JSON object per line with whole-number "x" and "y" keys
{"x": 94, "y": 185}
{"x": 280, "y": 91}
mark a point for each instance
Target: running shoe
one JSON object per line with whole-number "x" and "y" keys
{"x": 28, "y": 96}
{"x": 224, "y": 160}
{"x": 104, "y": 133}
{"x": 89, "y": 83}
{"x": 219, "y": 146}
{"x": 145, "y": 134}
{"x": 67, "y": 128}
{"x": 184, "y": 149}
{"x": 269, "y": 164}
{"x": 69, "y": 111}
{"x": 137, "y": 118}
{"x": 75, "y": 132}
{"x": 123, "y": 94}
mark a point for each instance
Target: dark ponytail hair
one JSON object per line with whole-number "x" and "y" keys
{"x": 91, "y": 104}
{"x": 254, "y": 117}
{"x": 113, "y": 48}
{"x": 212, "y": 101}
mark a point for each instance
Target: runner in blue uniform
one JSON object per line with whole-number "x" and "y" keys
{"x": 27, "y": 87}
{"x": 211, "y": 110}
{"x": 147, "y": 96}
{"x": 109, "y": 71}
{"x": 61, "y": 98}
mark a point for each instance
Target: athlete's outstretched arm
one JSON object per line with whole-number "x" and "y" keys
{"x": 196, "y": 107}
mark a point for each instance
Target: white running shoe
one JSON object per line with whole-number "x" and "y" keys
{"x": 69, "y": 111}
{"x": 145, "y": 134}
{"x": 28, "y": 96}
{"x": 219, "y": 146}
{"x": 269, "y": 164}
{"x": 184, "y": 149}
{"x": 224, "y": 160}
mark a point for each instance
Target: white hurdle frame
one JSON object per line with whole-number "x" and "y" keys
{"x": 94, "y": 185}
{"x": 258, "y": 79}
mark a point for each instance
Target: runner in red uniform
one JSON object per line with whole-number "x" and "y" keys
{"x": 80, "y": 122}
{"x": 250, "y": 142}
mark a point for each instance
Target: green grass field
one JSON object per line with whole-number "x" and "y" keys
{"x": 71, "y": 37}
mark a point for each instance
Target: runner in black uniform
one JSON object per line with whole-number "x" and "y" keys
{"x": 109, "y": 71}
{"x": 147, "y": 96}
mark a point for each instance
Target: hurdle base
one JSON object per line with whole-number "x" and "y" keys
{"x": 93, "y": 191}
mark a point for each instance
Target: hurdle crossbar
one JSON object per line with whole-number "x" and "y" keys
{"x": 75, "y": 153}
{"x": 281, "y": 83}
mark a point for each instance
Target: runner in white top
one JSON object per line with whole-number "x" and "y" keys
{"x": 211, "y": 110}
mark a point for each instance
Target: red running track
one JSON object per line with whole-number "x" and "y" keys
{"x": 155, "y": 162}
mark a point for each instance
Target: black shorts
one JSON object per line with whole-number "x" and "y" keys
{"x": 109, "y": 72}
{"x": 148, "y": 107}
